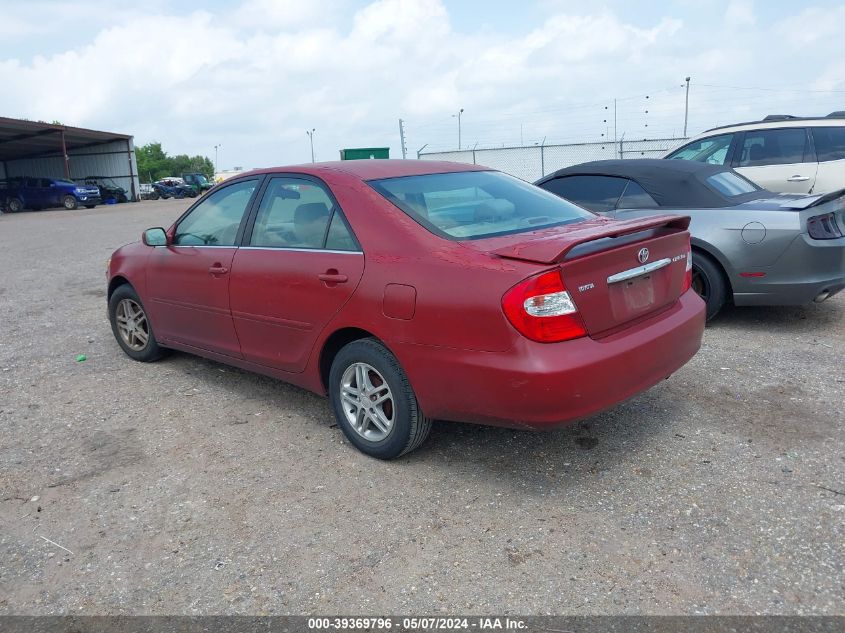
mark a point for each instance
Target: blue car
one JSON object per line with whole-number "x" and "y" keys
{"x": 17, "y": 194}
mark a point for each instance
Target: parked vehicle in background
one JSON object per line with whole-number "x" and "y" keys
{"x": 17, "y": 194}
{"x": 781, "y": 153}
{"x": 749, "y": 245}
{"x": 198, "y": 182}
{"x": 331, "y": 276}
{"x": 109, "y": 189}
{"x": 147, "y": 192}
{"x": 173, "y": 188}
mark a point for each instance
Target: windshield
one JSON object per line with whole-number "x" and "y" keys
{"x": 201, "y": 179}
{"x": 475, "y": 204}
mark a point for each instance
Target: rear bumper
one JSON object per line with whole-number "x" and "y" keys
{"x": 541, "y": 386}
{"x": 806, "y": 269}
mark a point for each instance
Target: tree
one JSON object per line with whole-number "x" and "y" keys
{"x": 154, "y": 163}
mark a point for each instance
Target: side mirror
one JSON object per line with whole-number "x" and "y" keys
{"x": 154, "y": 237}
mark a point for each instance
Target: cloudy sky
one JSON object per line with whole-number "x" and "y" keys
{"x": 253, "y": 76}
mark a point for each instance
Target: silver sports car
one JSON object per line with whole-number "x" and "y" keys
{"x": 750, "y": 245}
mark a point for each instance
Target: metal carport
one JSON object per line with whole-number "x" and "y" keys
{"x": 50, "y": 150}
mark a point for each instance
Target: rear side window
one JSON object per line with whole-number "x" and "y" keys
{"x": 773, "y": 147}
{"x": 730, "y": 184}
{"x": 712, "y": 150}
{"x": 475, "y": 204}
{"x": 830, "y": 143}
{"x": 596, "y": 193}
{"x": 298, "y": 213}
{"x": 635, "y": 197}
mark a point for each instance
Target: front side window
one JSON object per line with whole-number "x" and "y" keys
{"x": 830, "y": 143}
{"x": 773, "y": 147}
{"x": 596, "y": 193}
{"x": 215, "y": 220}
{"x": 298, "y": 213}
{"x": 476, "y": 204}
{"x": 712, "y": 150}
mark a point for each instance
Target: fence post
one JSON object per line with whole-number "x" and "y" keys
{"x": 473, "y": 157}
{"x": 543, "y": 159}
{"x": 621, "y": 151}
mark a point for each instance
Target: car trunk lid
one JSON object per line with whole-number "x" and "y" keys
{"x": 616, "y": 272}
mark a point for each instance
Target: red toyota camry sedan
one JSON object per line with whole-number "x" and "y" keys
{"x": 414, "y": 290}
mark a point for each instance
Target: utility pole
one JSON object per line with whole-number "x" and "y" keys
{"x": 310, "y": 134}
{"x": 460, "y": 112}
{"x": 216, "y": 168}
{"x": 686, "y": 110}
{"x": 402, "y": 138}
{"x": 614, "y": 121}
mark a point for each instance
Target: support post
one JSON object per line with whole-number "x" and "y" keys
{"x": 131, "y": 171}
{"x": 686, "y": 109}
{"x": 64, "y": 154}
{"x": 402, "y": 139}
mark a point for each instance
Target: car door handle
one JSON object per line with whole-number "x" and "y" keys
{"x": 797, "y": 179}
{"x": 333, "y": 278}
{"x": 217, "y": 269}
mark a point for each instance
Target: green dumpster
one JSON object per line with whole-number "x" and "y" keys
{"x": 364, "y": 153}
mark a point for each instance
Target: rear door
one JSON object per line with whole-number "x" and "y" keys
{"x": 299, "y": 264}
{"x": 188, "y": 281}
{"x": 829, "y": 143}
{"x": 779, "y": 160}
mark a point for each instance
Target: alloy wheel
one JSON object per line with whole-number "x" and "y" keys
{"x": 367, "y": 402}
{"x": 132, "y": 324}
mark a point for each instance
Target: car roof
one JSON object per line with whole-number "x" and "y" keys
{"x": 373, "y": 169}
{"x": 784, "y": 120}
{"x": 672, "y": 183}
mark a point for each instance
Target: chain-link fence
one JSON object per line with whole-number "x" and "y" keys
{"x": 535, "y": 161}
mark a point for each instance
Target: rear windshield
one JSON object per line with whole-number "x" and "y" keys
{"x": 476, "y": 204}
{"x": 730, "y": 184}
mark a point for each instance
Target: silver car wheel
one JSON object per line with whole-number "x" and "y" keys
{"x": 132, "y": 324}
{"x": 367, "y": 402}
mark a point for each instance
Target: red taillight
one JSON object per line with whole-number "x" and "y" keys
{"x": 541, "y": 309}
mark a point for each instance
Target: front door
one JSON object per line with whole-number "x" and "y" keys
{"x": 298, "y": 267}
{"x": 188, "y": 280}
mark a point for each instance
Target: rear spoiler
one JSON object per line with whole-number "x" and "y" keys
{"x": 553, "y": 248}
{"x": 812, "y": 201}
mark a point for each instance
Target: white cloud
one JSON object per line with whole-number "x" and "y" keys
{"x": 255, "y": 77}
{"x": 740, "y": 14}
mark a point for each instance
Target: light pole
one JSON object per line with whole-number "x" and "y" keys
{"x": 459, "y": 125}
{"x": 686, "y": 109}
{"x": 216, "y": 147}
{"x": 310, "y": 134}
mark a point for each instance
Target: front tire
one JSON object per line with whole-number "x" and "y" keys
{"x": 373, "y": 402}
{"x": 15, "y": 205}
{"x": 709, "y": 283}
{"x": 131, "y": 325}
{"x": 70, "y": 203}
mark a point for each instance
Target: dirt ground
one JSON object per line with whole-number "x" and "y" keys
{"x": 187, "y": 487}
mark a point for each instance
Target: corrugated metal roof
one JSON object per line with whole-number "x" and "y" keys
{"x": 29, "y": 139}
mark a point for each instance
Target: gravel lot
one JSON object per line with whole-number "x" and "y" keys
{"x": 188, "y": 487}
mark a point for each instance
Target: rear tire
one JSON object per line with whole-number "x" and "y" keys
{"x": 131, "y": 326}
{"x": 70, "y": 203}
{"x": 373, "y": 402}
{"x": 15, "y": 205}
{"x": 709, "y": 283}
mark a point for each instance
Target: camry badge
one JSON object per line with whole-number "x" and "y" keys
{"x": 643, "y": 255}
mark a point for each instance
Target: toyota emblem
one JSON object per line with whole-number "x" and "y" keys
{"x": 643, "y": 255}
